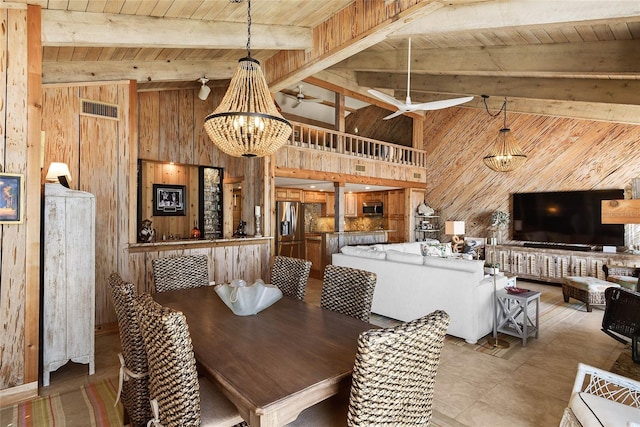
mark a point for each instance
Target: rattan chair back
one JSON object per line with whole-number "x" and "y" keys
{"x": 621, "y": 314}
{"x": 180, "y": 272}
{"x": 135, "y": 390}
{"x": 348, "y": 291}
{"x": 394, "y": 373}
{"x": 173, "y": 379}
{"x": 290, "y": 275}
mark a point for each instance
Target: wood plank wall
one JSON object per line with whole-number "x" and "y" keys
{"x": 20, "y": 83}
{"x": 563, "y": 154}
{"x": 100, "y": 153}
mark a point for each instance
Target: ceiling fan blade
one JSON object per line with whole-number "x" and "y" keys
{"x": 438, "y": 105}
{"x": 386, "y": 98}
{"x": 313, "y": 100}
{"x": 391, "y": 116}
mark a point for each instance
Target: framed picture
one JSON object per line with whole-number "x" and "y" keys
{"x": 11, "y": 193}
{"x": 168, "y": 200}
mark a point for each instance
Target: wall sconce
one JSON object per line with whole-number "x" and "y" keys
{"x": 455, "y": 229}
{"x": 59, "y": 173}
{"x": 205, "y": 90}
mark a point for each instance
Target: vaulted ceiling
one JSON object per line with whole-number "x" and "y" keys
{"x": 570, "y": 58}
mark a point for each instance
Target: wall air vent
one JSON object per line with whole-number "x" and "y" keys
{"x": 98, "y": 109}
{"x": 361, "y": 168}
{"x": 417, "y": 175}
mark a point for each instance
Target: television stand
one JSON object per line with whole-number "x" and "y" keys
{"x": 566, "y": 246}
{"x": 553, "y": 263}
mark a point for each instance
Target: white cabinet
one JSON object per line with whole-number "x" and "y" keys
{"x": 68, "y": 304}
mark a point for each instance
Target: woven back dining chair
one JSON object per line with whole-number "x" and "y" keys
{"x": 348, "y": 291}
{"x": 290, "y": 275}
{"x": 180, "y": 272}
{"x": 178, "y": 396}
{"x": 393, "y": 378}
{"x": 133, "y": 386}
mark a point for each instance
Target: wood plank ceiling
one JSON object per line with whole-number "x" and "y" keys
{"x": 569, "y": 58}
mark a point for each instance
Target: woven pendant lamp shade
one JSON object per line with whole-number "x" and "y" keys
{"x": 247, "y": 122}
{"x": 506, "y": 155}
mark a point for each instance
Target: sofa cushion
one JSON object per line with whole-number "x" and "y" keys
{"x": 597, "y": 411}
{"x": 628, "y": 282}
{"x": 408, "y": 258}
{"x": 471, "y": 266}
{"x": 412, "y": 248}
{"x": 363, "y": 253}
{"x": 590, "y": 284}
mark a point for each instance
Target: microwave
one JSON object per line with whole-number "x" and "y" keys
{"x": 372, "y": 208}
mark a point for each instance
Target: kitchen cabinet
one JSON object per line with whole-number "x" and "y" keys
{"x": 330, "y": 204}
{"x": 314, "y": 197}
{"x": 394, "y": 211}
{"x": 372, "y": 197}
{"x": 351, "y": 207}
{"x": 313, "y": 251}
{"x": 288, "y": 195}
{"x": 68, "y": 303}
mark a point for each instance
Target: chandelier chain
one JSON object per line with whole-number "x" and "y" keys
{"x": 249, "y": 28}
{"x": 497, "y": 113}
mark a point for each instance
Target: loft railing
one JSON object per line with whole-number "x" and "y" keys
{"x": 317, "y": 138}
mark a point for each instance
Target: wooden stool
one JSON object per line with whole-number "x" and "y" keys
{"x": 589, "y": 290}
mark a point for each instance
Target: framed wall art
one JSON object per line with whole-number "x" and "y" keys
{"x": 11, "y": 195}
{"x": 169, "y": 200}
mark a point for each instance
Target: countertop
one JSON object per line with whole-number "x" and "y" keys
{"x": 349, "y": 232}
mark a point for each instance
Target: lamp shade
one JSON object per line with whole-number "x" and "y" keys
{"x": 247, "y": 122}
{"x": 454, "y": 227}
{"x": 204, "y": 92}
{"x": 57, "y": 169}
{"x": 506, "y": 154}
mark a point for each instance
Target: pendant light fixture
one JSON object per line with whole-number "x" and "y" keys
{"x": 247, "y": 122}
{"x": 506, "y": 154}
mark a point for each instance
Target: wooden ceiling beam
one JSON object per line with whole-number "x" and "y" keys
{"x": 84, "y": 29}
{"x": 612, "y": 91}
{"x": 321, "y": 57}
{"x": 141, "y": 71}
{"x": 519, "y": 13}
{"x": 605, "y": 58}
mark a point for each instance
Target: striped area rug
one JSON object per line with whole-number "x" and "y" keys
{"x": 553, "y": 309}
{"x": 88, "y": 406}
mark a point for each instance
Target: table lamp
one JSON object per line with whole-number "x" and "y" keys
{"x": 455, "y": 228}
{"x": 59, "y": 173}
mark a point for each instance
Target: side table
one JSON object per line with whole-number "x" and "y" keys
{"x": 514, "y": 317}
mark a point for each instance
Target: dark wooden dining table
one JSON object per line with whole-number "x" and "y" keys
{"x": 275, "y": 364}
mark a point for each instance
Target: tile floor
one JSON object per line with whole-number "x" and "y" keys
{"x": 472, "y": 389}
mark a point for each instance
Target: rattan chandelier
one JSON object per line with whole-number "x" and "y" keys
{"x": 247, "y": 122}
{"x": 506, "y": 154}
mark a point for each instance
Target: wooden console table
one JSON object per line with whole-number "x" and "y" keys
{"x": 553, "y": 265}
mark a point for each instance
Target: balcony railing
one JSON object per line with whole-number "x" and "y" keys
{"x": 317, "y": 138}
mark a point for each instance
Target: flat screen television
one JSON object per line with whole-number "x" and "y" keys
{"x": 565, "y": 217}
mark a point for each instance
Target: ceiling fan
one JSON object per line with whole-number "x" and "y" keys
{"x": 407, "y": 106}
{"x": 300, "y": 97}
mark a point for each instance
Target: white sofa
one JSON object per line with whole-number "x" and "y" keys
{"x": 410, "y": 285}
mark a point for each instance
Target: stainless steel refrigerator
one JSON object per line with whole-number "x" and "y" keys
{"x": 290, "y": 223}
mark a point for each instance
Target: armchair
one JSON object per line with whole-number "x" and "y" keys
{"x": 604, "y": 399}
{"x": 621, "y": 317}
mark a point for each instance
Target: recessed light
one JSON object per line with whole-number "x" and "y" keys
{"x": 367, "y": 188}
{"x": 312, "y": 186}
